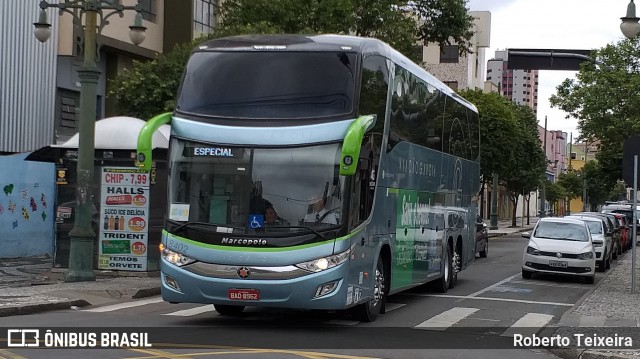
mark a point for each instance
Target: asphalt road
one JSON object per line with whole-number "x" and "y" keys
{"x": 489, "y": 304}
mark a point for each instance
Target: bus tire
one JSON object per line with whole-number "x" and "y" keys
{"x": 456, "y": 260}
{"x": 228, "y": 309}
{"x": 442, "y": 284}
{"x": 369, "y": 311}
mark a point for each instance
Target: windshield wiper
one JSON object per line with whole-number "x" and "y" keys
{"x": 189, "y": 224}
{"x": 303, "y": 227}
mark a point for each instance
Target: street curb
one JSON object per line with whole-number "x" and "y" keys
{"x": 587, "y": 354}
{"x": 42, "y": 307}
{"x": 146, "y": 292}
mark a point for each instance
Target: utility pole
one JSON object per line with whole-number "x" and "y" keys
{"x": 585, "y": 208}
{"x": 570, "y": 169}
{"x": 493, "y": 224}
{"x": 544, "y": 182}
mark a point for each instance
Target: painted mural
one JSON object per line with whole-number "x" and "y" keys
{"x": 26, "y": 207}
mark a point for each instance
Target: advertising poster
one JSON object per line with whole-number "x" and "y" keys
{"x": 124, "y": 219}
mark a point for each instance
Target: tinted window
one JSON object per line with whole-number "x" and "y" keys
{"x": 561, "y": 231}
{"x": 416, "y": 111}
{"x": 269, "y": 84}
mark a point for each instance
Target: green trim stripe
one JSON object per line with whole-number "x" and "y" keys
{"x": 353, "y": 143}
{"x": 254, "y": 249}
{"x": 145, "y": 145}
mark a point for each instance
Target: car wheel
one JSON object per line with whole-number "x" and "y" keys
{"x": 483, "y": 253}
{"x": 602, "y": 265}
{"x": 526, "y": 274}
{"x": 369, "y": 311}
{"x": 590, "y": 280}
{"x": 228, "y": 309}
{"x": 442, "y": 285}
{"x": 608, "y": 263}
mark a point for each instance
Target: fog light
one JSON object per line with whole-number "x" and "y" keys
{"x": 171, "y": 282}
{"x": 325, "y": 289}
{"x": 528, "y": 264}
{"x": 587, "y": 269}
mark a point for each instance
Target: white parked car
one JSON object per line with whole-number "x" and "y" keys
{"x": 559, "y": 246}
{"x": 603, "y": 244}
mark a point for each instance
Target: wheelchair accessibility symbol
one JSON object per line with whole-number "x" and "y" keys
{"x": 256, "y": 221}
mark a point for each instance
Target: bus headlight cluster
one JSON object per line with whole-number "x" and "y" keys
{"x": 320, "y": 264}
{"x": 175, "y": 258}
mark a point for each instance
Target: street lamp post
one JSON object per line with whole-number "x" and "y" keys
{"x": 82, "y": 235}
{"x": 543, "y": 209}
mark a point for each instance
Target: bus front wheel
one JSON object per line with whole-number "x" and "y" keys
{"x": 228, "y": 309}
{"x": 442, "y": 285}
{"x": 369, "y": 311}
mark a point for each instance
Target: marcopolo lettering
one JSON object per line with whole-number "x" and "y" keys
{"x": 244, "y": 241}
{"x": 212, "y": 151}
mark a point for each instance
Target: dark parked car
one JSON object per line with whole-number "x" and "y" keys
{"x": 482, "y": 238}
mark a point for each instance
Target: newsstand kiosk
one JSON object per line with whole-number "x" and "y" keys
{"x": 128, "y": 204}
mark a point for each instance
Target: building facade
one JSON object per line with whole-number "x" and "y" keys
{"x": 461, "y": 72}
{"x": 519, "y": 86}
{"x": 39, "y": 83}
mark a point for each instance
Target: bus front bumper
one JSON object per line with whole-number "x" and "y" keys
{"x": 321, "y": 290}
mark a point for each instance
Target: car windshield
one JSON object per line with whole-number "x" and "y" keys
{"x": 594, "y": 227}
{"x": 561, "y": 231}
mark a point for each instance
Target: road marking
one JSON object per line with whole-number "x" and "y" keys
{"x": 492, "y": 286}
{"x": 446, "y": 319}
{"x": 193, "y": 311}
{"x": 137, "y": 303}
{"x": 528, "y": 325}
{"x": 392, "y": 306}
{"x": 556, "y": 285}
{"x": 493, "y": 299}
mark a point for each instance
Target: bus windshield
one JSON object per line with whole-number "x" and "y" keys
{"x": 273, "y": 85}
{"x": 247, "y": 190}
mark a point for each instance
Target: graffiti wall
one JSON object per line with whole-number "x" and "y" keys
{"x": 26, "y": 207}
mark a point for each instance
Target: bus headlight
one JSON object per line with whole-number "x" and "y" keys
{"x": 175, "y": 258}
{"x": 320, "y": 264}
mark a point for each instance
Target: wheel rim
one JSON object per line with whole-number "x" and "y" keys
{"x": 446, "y": 266}
{"x": 486, "y": 247}
{"x": 378, "y": 287}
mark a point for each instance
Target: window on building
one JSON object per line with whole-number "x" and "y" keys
{"x": 204, "y": 16}
{"x": 449, "y": 54}
{"x": 149, "y": 10}
{"x": 574, "y": 155}
{"x": 452, "y": 84}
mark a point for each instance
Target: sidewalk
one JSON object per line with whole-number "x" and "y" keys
{"x": 504, "y": 227}
{"x": 30, "y": 285}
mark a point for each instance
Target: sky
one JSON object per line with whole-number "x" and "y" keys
{"x": 552, "y": 24}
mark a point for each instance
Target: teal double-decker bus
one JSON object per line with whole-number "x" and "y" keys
{"x": 314, "y": 172}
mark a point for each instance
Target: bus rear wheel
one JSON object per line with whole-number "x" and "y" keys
{"x": 228, "y": 309}
{"x": 443, "y": 284}
{"x": 369, "y": 311}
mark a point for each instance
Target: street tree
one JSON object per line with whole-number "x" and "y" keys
{"x": 597, "y": 183}
{"x": 149, "y": 88}
{"x": 527, "y": 167}
{"x": 554, "y": 193}
{"x": 394, "y": 21}
{"x": 605, "y": 99}
{"x": 572, "y": 182}
{"x": 498, "y": 130}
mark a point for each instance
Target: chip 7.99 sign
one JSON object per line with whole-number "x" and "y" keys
{"x": 124, "y": 218}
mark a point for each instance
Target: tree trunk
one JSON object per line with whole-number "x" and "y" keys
{"x": 514, "y": 214}
{"x": 528, "y": 206}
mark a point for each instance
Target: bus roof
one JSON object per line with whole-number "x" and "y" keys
{"x": 326, "y": 42}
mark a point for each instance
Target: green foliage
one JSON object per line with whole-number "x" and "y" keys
{"x": 149, "y": 88}
{"x": 498, "y": 129}
{"x": 445, "y": 22}
{"x": 572, "y": 182}
{"x": 598, "y": 186}
{"x": 554, "y": 192}
{"x": 605, "y": 99}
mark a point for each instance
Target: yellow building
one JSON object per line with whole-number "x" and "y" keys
{"x": 577, "y": 162}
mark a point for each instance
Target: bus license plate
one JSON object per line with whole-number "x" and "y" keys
{"x": 244, "y": 294}
{"x": 557, "y": 264}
